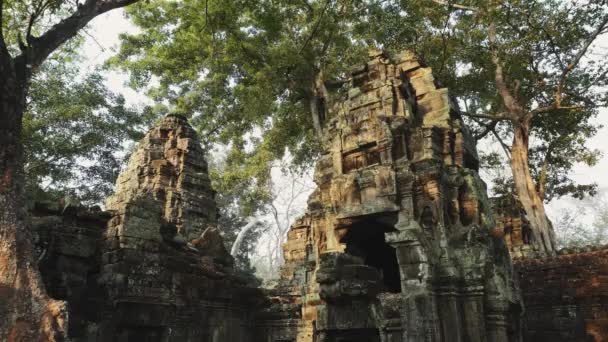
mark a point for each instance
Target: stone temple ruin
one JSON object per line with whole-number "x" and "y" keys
{"x": 399, "y": 242}
{"x": 396, "y": 244}
{"x": 153, "y": 267}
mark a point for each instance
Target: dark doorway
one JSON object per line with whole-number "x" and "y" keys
{"x": 140, "y": 334}
{"x": 354, "y": 335}
{"x": 365, "y": 239}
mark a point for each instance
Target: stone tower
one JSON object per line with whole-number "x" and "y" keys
{"x": 397, "y": 242}
{"x": 167, "y": 172}
{"x": 165, "y": 273}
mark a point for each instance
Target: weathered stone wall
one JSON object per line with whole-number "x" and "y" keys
{"x": 154, "y": 266}
{"x": 513, "y": 226}
{"x": 397, "y": 241}
{"x": 566, "y": 297}
{"x": 167, "y": 273}
{"x": 166, "y": 174}
{"x": 67, "y": 251}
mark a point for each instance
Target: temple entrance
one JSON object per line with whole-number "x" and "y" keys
{"x": 365, "y": 239}
{"x": 352, "y": 335}
{"x": 143, "y": 334}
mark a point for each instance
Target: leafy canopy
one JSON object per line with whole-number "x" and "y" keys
{"x": 75, "y": 132}
{"x": 550, "y": 65}
{"x": 74, "y": 129}
{"x": 245, "y": 71}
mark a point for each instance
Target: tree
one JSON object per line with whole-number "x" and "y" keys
{"x": 543, "y": 92}
{"x": 520, "y": 71}
{"x": 289, "y": 192}
{"x": 263, "y": 70}
{"x": 74, "y": 133}
{"x": 239, "y": 200}
{"x": 572, "y": 232}
{"x": 30, "y": 31}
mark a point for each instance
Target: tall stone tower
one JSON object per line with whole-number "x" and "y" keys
{"x": 397, "y": 241}
{"x": 165, "y": 273}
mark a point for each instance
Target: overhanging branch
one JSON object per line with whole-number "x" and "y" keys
{"x": 504, "y": 146}
{"x": 316, "y": 27}
{"x": 553, "y": 106}
{"x": 491, "y": 128}
{"x": 576, "y": 60}
{"x": 41, "y": 47}
{"x": 488, "y": 128}
{"x": 496, "y": 117}
{"x": 455, "y": 6}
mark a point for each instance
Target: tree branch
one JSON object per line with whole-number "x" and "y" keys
{"x": 38, "y": 11}
{"x": 504, "y": 146}
{"x": 491, "y": 128}
{"x": 495, "y": 117}
{"x": 455, "y": 6}
{"x": 41, "y": 47}
{"x": 553, "y": 106}
{"x": 252, "y": 221}
{"x": 316, "y": 27}
{"x": 577, "y": 59}
{"x": 501, "y": 83}
{"x": 488, "y": 128}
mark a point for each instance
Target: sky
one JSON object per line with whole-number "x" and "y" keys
{"x": 102, "y": 42}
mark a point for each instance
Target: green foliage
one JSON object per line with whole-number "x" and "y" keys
{"x": 535, "y": 42}
{"x": 74, "y": 132}
{"x": 237, "y": 198}
{"x": 244, "y": 69}
{"x": 74, "y": 128}
{"x": 24, "y": 19}
{"x": 561, "y": 143}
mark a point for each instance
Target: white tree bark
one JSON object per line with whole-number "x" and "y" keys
{"x": 241, "y": 236}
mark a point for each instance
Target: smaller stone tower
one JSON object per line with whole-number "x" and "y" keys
{"x": 167, "y": 172}
{"x": 165, "y": 272}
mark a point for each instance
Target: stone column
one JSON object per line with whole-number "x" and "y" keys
{"x": 420, "y": 320}
{"x": 450, "y": 313}
{"x": 496, "y": 320}
{"x": 474, "y": 318}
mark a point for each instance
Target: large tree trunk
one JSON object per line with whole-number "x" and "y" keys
{"x": 318, "y": 103}
{"x": 543, "y": 236}
{"x": 26, "y": 312}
